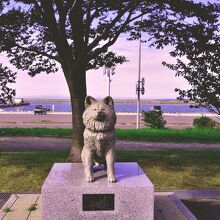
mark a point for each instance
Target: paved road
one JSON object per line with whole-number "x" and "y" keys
{"x": 56, "y": 120}
{"x": 59, "y": 144}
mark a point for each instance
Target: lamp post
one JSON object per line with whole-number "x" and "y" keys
{"x": 139, "y": 86}
{"x": 139, "y": 89}
{"x": 108, "y": 71}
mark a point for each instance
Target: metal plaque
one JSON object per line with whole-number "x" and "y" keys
{"x": 98, "y": 202}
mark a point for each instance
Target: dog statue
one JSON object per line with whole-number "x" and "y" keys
{"x": 99, "y": 119}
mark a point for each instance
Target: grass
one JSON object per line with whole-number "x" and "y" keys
{"x": 26, "y": 171}
{"x": 154, "y": 135}
{"x": 177, "y": 169}
{"x": 170, "y": 135}
{"x": 7, "y": 209}
{"x": 37, "y": 132}
{"x": 45, "y": 122}
{"x": 32, "y": 207}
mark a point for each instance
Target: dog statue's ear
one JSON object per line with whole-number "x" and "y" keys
{"x": 109, "y": 101}
{"x": 89, "y": 100}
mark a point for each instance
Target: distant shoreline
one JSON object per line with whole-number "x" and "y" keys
{"x": 117, "y": 113}
{"x": 125, "y": 101}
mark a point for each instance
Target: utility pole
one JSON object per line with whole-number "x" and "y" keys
{"x": 108, "y": 71}
{"x": 139, "y": 86}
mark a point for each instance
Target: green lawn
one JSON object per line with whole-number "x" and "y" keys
{"x": 154, "y": 135}
{"x": 170, "y": 135}
{"x": 177, "y": 169}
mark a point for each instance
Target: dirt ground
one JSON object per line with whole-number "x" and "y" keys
{"x": 62, "y": 120}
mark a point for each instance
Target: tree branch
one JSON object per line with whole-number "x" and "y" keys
{"x": 113, "y": 40}
{"x": 73, "y": 5}
{"x": 136, "y": 17}
{"x": 63, "y": 48}
{"x": 76, "y": 21}
{"x": 89, "y": 20}
{"x": 110, "y": 26}
{"x": 38, "y": 52}
{"x": 38, "y": 7}
{"x": 50, "y": 20}
{"x": 62, "y": 15}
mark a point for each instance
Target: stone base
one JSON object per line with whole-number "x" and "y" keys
{"x": 66, "y": 196}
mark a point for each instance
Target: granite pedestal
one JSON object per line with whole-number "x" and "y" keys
{"x": 66, "y": 196}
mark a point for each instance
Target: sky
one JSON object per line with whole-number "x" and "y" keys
{"x": 160, "y": 82}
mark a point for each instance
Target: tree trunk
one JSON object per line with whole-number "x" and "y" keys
{"x": 77, "y": 88}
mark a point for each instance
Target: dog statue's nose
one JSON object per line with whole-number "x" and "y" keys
{"x": 101, "y": 116}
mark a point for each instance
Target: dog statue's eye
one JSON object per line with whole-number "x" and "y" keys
{"x": 94, "y": 109}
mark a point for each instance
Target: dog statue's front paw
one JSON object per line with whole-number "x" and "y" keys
{"x": 111, "y": 178}
{"x": 89, "y": 178}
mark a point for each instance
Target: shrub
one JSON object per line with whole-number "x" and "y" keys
{"x": 153, "y": 119}
{"x": 204, "y": 122}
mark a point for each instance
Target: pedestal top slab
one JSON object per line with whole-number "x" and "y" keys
{"x": 72, "y": 174}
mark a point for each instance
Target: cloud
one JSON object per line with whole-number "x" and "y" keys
{"x": 160, "y": 81}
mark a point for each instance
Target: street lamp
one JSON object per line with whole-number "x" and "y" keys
{"x": 108, "y": 71}
{"x": 139, "y": 89}
{"x": 140, "y": 85}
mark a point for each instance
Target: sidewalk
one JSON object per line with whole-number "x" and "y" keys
{"x": 60, "y": 144}
{"x": 167, "y": 205}
{"x": 164, "y": 209}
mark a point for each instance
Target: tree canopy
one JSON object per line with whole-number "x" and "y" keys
{"x": 6, "y": 77}
{"x": 42, "y": 36}
{"x": 37, "y": 34}
{"x": 198, "y": 61}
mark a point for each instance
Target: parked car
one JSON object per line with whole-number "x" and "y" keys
{"x": 156, "y": 108}
{"x": 40, "y": 110}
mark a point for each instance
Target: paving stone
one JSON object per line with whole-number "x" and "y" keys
{"x": 8, "y": 204}
{"x": 20, "y": 207}
{"x": 36, "y": 215}
{"x": 166, "y": 209}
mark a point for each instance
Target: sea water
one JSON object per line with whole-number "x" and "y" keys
{"x": 119, "y": 107}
